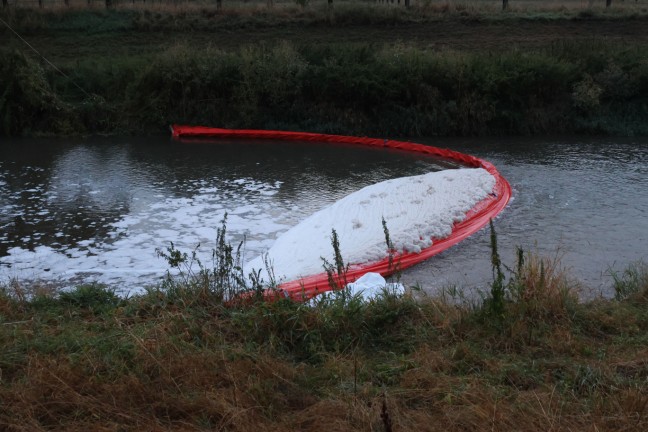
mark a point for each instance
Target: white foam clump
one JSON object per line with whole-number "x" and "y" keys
{"x": 416, "y": 209}
{"x": 371, "y": 285}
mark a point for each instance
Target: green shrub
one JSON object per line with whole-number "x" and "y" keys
{"x": 27, "y": 102}
{"x": 340, "y": 88}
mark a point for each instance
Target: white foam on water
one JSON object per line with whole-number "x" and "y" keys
{"x": 125, "y": 257}
{"x": 371, "y": 286}
{"x": 416, "y": 210}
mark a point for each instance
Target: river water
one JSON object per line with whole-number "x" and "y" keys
{"x": 583, "y": 201}
{"x": 75, "y": 211}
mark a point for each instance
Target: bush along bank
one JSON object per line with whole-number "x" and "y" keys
{"x": 529, "y": 357}
{"x": 596, "y": 88}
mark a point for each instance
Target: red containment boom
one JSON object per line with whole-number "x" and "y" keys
{"x": 308, "y": 287}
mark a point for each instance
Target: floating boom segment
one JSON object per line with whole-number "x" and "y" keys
{"x": 477, "y": 217}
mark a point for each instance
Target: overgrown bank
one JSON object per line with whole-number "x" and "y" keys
{"x": 597, "y": 87}
{"x": 530, "y": 357}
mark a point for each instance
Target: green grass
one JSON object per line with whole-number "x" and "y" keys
{"x": 186, "y": 356}
{"x": 181, "y": 359}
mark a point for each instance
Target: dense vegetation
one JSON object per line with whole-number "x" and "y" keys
{"x": 377, "y": 88}
{"x": 527, "y": 357}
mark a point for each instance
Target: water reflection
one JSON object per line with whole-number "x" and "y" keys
{"x": 98, "y": 208}
{"x": 101, "y": 179}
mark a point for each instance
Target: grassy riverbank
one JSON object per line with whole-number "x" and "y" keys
{"x": 530, "y": 357}
{"x": 387, "y": 72}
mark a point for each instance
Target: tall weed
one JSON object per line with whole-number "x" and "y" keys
{"x": 219, "y": 282}
{"x": 537, "y": 296}
{"x": 632, "y": 283}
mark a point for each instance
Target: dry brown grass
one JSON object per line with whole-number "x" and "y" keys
{"x": 202, "y": 392}
{"x": 166, "y": 389}
{"x": 184, "y": 364}
{"x": 542, "y": 292}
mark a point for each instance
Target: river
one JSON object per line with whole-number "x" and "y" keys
{"x": 81, "y": 210}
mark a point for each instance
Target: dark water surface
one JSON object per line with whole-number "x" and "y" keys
{"x": 97, "y": 209}
{"x": 583, "y": 200}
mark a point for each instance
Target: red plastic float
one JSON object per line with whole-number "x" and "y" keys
{"x": 476, "y": 218}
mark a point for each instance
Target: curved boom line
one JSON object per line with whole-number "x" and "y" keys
{"x": 476, "y": 218}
